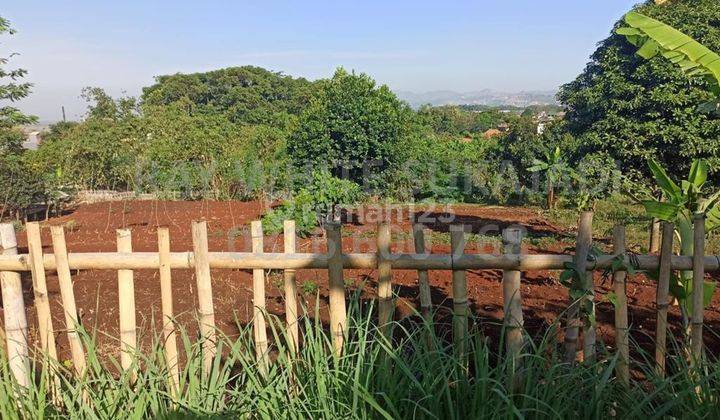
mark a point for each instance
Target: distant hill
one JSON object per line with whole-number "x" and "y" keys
{"x": 481, "y": 97}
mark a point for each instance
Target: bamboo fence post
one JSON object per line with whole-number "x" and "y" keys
{"x": 654, "y": 235}
{"x": 16, "y": 328}
{"x": 291, "y": 306}
{"x": 68, "y": 298}
{"x": 385, "y": 304}
{"x": 663, "y": 296}
{"x": 512, "y": 299}
{"x": 423, "y": 279}
{"x": 698, "y": 286}
{"x": 459, "y": 286}
{"x": 621, "y": 309}
{"x": 338, "y": 321}
{"x": 582, "y": 250}
{"x": 259, "y": 328}
{"x": 205, "y": 296}
{"x": 42, "y": 303}
{"x": 126, "y": 298}
{"x": 166, "y": 296}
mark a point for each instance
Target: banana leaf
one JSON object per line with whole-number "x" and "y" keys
{"x": 654, "y": 37}
{"x": 712, "y": 219}
{"x": 698, "y": 172}
{"x": 661, "y": 210}
{"x": 669, "y": 187}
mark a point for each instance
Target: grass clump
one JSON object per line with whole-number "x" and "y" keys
{"x": 416, "y": 375}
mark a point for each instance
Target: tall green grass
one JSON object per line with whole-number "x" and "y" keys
{"x": 416, "y": 375}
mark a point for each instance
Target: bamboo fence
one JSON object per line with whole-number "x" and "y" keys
{"x": 201, "y": 260}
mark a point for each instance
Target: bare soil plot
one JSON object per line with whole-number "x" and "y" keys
{"x": 91, "y": 228}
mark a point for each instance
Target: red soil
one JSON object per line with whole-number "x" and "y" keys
{"x": 91, "y": 228}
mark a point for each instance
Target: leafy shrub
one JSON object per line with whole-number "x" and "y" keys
{"x": 19, "y": 186}
{"x": 328, "y": 192}
{"x": 314, "y": 204}
{"x": 300, "y": 209}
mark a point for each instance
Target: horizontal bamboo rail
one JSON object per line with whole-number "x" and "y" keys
{"x": 335, "y": 261}
{"x": 279, "y": 261}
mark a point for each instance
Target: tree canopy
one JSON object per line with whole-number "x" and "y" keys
{"x": 351, "y": 121}
{"x": 11, "y": 87}
{"x": 631, "y": 108}
{"x": 243, "y": 94}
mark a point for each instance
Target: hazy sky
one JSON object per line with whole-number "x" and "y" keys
{"x": 418, "y": 46}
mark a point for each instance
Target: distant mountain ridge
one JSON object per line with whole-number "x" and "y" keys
{"x": 481, "y": 97}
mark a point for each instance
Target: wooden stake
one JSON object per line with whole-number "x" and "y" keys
{"x": 698, "y": 287}
{"x": 16, "y": 328}
{"x": 654, "y": 235}
{"x": 385, "y": 300}
{"x": 423, "y": 279}
{"x": 259, "y": 328}
{"x": 206, "y": 309}
{"x": 460, "y": 301}
{"x": 663, "y": 296}
{"x": 169, "y": 339}
{"x": 126, "y": 298}
{"x": 338, "y": 322}
{"x": 42, "y": 303}
{"x": 512, "y": 299}
{"x": 291, "y": 306}
{"x": 622, "y": 337}
{"x": 68, "y": 298}
{"x": 584, "y": 242}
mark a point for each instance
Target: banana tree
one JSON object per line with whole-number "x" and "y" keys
{"x": 680, "y": 203}
{"x": 555, "y": 168}
{"x": 695, "y": 60}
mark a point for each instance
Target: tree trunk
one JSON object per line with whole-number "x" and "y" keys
{"x": 550, "y": 195}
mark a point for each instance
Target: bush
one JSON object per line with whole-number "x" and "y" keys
{"x": 19, "y": 185}
{"x": 300, "y": 209}
{"x": 328, "y": 192}
{"x": 314, "y": 204}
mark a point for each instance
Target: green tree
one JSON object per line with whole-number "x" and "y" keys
{"x": 555, "y": 168}
{"x": 11, "y": 89}
{"x": 102, "y": 105}
{"x": 694, "y": 59}
{"x": 632, "y": 108}
{"x": 521, "y": 146}
{"x": 243, "y": 94}
{"x": 691, "y": 197}
{"x": 18, "y": 186}
{"x": 354, "y": 125}
{"x": 455, "y": 120}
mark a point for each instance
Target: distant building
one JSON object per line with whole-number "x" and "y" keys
{"x": 542, "y": 120}
{"x": 493, "y": 132}
{"x": 32, "y": 140}
{"x": 540, "y": 129}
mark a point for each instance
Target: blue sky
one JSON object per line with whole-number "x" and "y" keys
{"x": 418, "y": 46}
